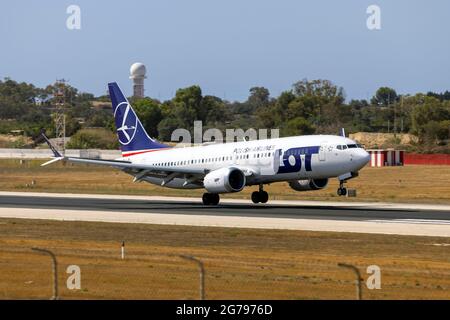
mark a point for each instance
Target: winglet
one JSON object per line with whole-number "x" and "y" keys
{"x": 56, "y": 154}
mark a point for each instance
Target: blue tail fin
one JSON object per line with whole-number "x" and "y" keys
{"x": 132, "y": 136}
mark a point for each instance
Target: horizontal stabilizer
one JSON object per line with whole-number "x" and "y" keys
{"x": 52, "y": 161}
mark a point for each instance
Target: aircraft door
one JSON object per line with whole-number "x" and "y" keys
{"x": 322, "y": 152}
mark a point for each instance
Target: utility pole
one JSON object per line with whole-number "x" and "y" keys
{"x": 59, "y": 96}
{"x": 395, "y": 121}
{"x": 388, "y": 109}
{"x": 401, "y": 114}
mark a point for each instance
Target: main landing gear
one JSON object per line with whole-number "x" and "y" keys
{"x": 341, "y": 191}
{"x": 260, "y": 196}
{"x": 211, "y": 199}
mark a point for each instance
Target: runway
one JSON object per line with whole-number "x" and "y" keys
{"x": 294, "y": 215}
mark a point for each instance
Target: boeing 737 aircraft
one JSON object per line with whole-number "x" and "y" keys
{"x": 305, "y": 162}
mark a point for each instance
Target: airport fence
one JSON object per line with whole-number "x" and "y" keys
{"x": 98, "y": 273}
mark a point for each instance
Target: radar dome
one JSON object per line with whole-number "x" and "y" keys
{"x": 137, "y": 70}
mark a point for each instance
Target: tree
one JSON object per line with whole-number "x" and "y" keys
{"x": 93, "y": 139}
{"x": 187, "y": 103}
{"x": 431, "y": 110}
{"x": 166, "y": 127}
{"x": 435, "y": 131}
{"x": 216, "y": 111}
{"x": 358, "y": 104}
{"x": 298, "y": 126}
{"x": 324, "y": 89}
{"x": 384, "y": 97}
{"x": 259, "y": 97}
{"x": 150, "y": 114}
{"x": 441, "y": 96}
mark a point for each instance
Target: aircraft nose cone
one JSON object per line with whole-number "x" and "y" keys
{"x": 364, "y": 157}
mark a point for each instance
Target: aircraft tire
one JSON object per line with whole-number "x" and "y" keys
{"x": 255, "y": 197}
{"x": 342, "y": 191}
{"x": 215, "y": 199}
{"x": 263, "y": 197}
{"x": 211, "y": 199}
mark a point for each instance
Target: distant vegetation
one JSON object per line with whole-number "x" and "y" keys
{"x": 99, "y": 138}
{"x": 316, "y": 106}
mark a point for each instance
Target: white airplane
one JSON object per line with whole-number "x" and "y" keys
{"x": 305, "y": 162}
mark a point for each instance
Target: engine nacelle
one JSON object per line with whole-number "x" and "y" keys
{"x": 224, "y": 180}
{"x": 309, "y": 184}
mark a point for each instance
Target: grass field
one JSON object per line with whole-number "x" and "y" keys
{"x": 239, "y": 263}
{"x": 424, "y": 184}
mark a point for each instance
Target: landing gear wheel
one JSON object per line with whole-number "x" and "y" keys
{"x": 215, "y": 198}
{"x": 342, "y": 191}
{"x": 255, "y": 197}
{"x": 260, "y": 197}
{"x": 211, "y": 199}
{"x": 263, "y": 196}
{"x": 205, "y": 198}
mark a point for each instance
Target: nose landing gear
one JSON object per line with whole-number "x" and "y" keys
{"x": 341, "y": 191}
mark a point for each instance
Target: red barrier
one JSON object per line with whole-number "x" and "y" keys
{"x": 433, "y": 159}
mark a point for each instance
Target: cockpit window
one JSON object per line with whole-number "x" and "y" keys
{"x": 341, "y": 147}
{"x": 357, "y": 145}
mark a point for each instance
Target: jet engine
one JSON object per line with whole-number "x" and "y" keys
{"x": 308, "y": 184}
{"x": 224, "y": 180}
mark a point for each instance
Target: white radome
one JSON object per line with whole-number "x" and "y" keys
{"x": 137, "y": 70}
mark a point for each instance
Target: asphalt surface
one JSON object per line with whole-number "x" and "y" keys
{"x": 226, "y": 209}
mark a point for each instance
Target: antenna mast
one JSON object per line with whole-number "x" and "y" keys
{"x": 59, "y": 96}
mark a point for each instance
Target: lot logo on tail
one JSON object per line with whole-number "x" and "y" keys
{"x": 127, "y": 130}
{"x": 131, "y": 134}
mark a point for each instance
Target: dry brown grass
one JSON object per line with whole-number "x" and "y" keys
{"x": 427, "y": 184}
{"x": 240, "y": 263}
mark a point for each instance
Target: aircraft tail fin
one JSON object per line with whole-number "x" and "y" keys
{"x": 132, "y": 136}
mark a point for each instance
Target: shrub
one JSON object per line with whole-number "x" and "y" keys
{"x": 98, "y": 138}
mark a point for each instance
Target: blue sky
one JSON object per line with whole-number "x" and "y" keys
{"x": 227, "y": 47}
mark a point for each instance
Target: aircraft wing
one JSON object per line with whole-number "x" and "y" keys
{"x": 140, "y": 171}
{"x": 122, "y": 165}
{"x": 127, "y": 166}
